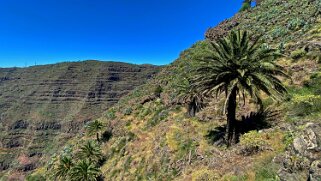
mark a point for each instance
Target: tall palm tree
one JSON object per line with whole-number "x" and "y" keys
{"x": 91, "y": 151}
{"x": 95, "y": 127}
{"x": 241, "y": 69}
{"x": 64, "y": 167}
{"x": 84, "y": 170}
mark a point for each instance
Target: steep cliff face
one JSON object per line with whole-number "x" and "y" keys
{"x": 41, "y": 107}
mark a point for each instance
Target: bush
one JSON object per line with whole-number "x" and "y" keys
{"x": 245, "y": 6}
{"x": 252, "y": 142}
{"x": 158, "y": 90}
{"x": 295, "y": 24}
{"x": 204, "y": 175}
{"x": 178, "y": 141}
{"x": 279, "y": 32}
{"x": 303, "y": 105}
{"x": 159, "y": 116}
{"x": 314, "y": 55}
{"x": 35, "y": 178}
{"x": 144, "y": 112}
{"x": 128, "y": 111}
{"x": 298, "y": 54}
{"x": 267, "y": 170}
{"x": 111, "y": 114}
{"x": 288, "y": 138}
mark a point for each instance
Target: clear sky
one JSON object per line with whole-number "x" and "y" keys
{"x": 135, "y": 31}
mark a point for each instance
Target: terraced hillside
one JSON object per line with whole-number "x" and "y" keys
{"x": 41, "y": 107}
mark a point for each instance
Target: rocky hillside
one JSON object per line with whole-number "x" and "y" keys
{"x": 41, "y": 107}
{"x": 152, "y": 138}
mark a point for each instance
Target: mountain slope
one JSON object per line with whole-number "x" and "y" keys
{"x": 42, "y": 107}
{"x": 153, "y": 139}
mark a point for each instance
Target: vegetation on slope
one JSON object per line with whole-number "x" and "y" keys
{"x": 240, "y": 70}
{"x": 154, "y": 139}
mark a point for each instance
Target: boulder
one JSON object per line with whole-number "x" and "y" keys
{"x": 301, "y": 161}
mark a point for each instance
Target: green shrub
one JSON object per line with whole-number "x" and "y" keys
{"x": 303, "y": 105}
{"x": 178, "y": 141}
{"x": 281, "y": 48}
{"x": 158, "y": 90}
{"x": 144, "y": 112}
{"x": 288, "y": 138}
{"x": 252, "y": 142}
{"x": 279, "y": 32}
{"x": 267, "y": 172}
{"x": 128, "y": 111}
{"x": 159, "y": 116}
{"x": 298, "y": 54}
{"x": 35, "y": 178}
{"x": 316, "y": 83}
{"x": 295, "y": 24}
{"x": 245, "y": 6}
{"x": 266, "y": 169}
{"x": 314, "y": 55}
{"x": 204, "y": 175}
{"x": 111, "y": 114}
{"x": 253, "y": 138}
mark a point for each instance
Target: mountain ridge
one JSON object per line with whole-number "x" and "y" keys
{"x": 40, "y": 104}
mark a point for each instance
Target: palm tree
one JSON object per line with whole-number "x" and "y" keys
{"x": 91, "y": 151}
{"x": 187, "y": 95}
{"x": 84, "y": 170}
{"x": 95, "y": 127}
{"x": 241, "y": 69}
{"x": 63, "y": 169}
{"x": 245, "y": 5}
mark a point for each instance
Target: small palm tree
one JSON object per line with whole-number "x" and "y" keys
{"x": 241, "y": 69}
{"x": 95, "y": 127}
{"x": 91, "y": 151}
{"x": 246, "y": 5}
{"x": 64, "y": 167}
{"x": 84, "y": 170}
{"x": 189, "y": 96}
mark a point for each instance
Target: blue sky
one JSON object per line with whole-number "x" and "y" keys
{"x": 135, "y": 31}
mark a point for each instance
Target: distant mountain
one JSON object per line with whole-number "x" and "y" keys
{"x": 41, "y": 107}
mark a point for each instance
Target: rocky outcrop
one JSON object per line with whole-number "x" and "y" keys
{"x": 302, "y": 160}
{"x": 222, "y": 29}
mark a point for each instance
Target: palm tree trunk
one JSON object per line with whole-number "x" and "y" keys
{"x": 191, "y": 108}
{"x": 231, "y": 118}
{"x": 97, "y": 136}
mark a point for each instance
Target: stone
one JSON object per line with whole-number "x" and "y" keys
{"x": 301, "y": 161}
{"x": 315, "y": 171}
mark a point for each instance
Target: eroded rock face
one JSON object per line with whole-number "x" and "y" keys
{"x": 302, "y": 160}
{"x": 222, "y": 29}
{"x": 44, "y": 106}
